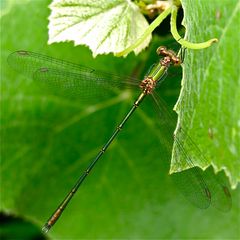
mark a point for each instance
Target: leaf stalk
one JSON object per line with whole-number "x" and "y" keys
{"x": 148, "y": 31}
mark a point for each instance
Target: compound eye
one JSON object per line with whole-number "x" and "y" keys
{"x": 177, "y": 61}
{"x": 161, "y": 50}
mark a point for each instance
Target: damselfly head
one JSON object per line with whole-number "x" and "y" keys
{"x": 171, "y": 53}
{"x": 169, "y": 56}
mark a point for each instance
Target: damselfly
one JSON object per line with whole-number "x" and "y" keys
{"x": 75, "y": 80}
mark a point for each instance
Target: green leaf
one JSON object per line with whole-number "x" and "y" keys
{"x": 103, "y": 26}
{"x": 13, "y": 227}
{"x": 129, "y": 195}
{"x": 209, "y": 106}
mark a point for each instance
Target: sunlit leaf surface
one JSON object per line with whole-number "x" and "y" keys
{"x": 105, "y": 26}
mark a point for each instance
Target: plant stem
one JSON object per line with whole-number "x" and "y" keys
{"x": 148, "y": 31}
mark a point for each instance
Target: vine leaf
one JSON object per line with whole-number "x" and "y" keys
{"x": 208, "y": 104}
{"x": 104, "y": 26}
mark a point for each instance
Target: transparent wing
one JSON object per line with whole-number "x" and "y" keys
{"x": 68, "y": 78}
{"x": 199, "y": 187}
{"x": 27, "y": 62}
{"x": 82, "y": 85}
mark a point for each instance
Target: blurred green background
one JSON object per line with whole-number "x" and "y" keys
{"x": 129, "y": 194}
